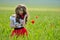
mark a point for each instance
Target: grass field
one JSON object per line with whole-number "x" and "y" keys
{"x": 46, "y": 26}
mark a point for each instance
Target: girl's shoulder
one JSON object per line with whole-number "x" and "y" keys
{"x": 12, "y": 17}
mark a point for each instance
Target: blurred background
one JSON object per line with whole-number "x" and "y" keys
{"x": 45, "y": 27}
{"x": 31, "y": 3}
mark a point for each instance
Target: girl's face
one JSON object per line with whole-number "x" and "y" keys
{"x": 21, "y": 11}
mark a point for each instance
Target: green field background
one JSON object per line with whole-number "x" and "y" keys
{"x": 46, "y": 26}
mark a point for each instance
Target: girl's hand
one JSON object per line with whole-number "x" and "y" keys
{"x": 16, "y": 24}
{"x": 22, "y": 22}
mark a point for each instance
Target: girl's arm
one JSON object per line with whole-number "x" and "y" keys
{"x": 12, "y": 20}
{"x": 12, "y": 24}
{"x": 25, "y": 19}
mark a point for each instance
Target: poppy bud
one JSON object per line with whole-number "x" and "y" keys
{"x": 36, "y": 16}
{"x": 32, "y": 21}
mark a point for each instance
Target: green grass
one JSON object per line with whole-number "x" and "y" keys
{"x": 46, "y": 26}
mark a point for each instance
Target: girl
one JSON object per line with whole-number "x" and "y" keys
{"x": 18, "y": 21}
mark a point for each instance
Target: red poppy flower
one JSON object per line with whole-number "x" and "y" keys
{"x": 36, "y": 16}
{"x": 32, "y": 21}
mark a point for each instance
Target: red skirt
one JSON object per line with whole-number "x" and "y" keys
{"x": 19, "y": 31}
